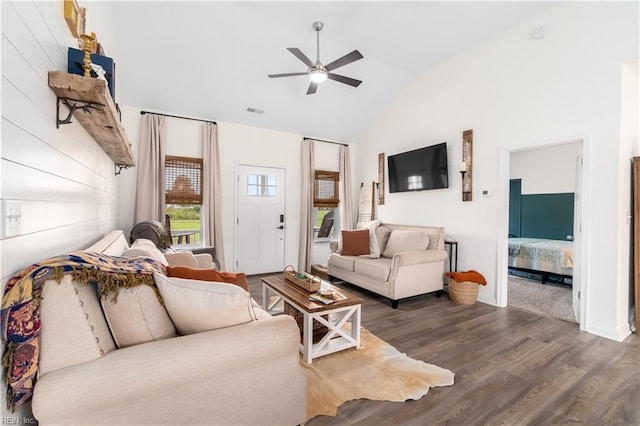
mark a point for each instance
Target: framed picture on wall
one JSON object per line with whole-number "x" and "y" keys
{"x": 72, "y": 16}
{"x": 381, "y": 179}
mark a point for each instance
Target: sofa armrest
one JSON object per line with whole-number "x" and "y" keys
{"x": 406, "y": 258}
{"x": 333, "y": 246}
{"x": 205, "y": 261}
{"x": 209, "y": 377}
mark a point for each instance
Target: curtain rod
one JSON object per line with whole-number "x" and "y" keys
{"x": 177, "y": 116}
{"x": 320, "y": 140}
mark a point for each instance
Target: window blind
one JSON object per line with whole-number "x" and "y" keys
{"x": 183, "y": 180}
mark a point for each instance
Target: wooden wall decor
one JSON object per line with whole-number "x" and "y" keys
{"x": 636, "y": 238}
{"x": 466, "y": 167}
{"x": 381, "y": 179}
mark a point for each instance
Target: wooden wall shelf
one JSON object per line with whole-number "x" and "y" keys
{"x": 90, "y": 102}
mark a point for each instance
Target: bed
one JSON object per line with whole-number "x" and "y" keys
{"x": 551, "y": 259}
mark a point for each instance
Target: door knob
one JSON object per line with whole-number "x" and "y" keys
{"x": 280, "y": 227}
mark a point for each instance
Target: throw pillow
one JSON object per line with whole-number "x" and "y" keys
{"x": 182, "y": 258}
{"x": 196, "y": 306}
{"x": 404, "y": 240}
{"x": 136, "y": 316}
{"x": 355, "y": 243}
{"x": 382, "y": 235}
{"x": 374, "y": 247}
{"x": 145, "y": 248}
{"x": 239, "y": 278}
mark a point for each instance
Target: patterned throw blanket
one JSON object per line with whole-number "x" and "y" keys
{"x": 21, "y": 302}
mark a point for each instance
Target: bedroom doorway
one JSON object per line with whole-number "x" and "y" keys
{"x": 541, "y": 268}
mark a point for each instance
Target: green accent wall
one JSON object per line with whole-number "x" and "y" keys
{"x": 515, "y": 206}
{"x": 547, "y": 215}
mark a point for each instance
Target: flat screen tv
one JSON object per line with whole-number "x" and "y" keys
{"x": 420, "y": 169}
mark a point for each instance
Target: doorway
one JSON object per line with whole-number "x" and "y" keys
{"x": 260, "y": 220}
{"x": 563, "y": 172}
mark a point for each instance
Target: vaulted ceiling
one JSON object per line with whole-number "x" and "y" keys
{"x": 211, "y": 59}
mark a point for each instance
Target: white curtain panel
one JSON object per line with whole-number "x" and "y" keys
{"x": 346, "y": 200}
{"x": 305, "y": 253}
{"x": 150, "y": 189}
{"x": 212, "y": 192}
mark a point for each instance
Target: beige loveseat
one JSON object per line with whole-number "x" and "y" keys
{"x": 413, "y": 266}
{"x": 243, "y": 374}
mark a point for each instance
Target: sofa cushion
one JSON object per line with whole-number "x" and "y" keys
{"x": 382, "y": 236}
{"x": 74, "y": 329}
{"x": 145, "y": 248}
{"x": 182, "y": 258}
{"x": 377, "y": 269}
{"x": 402, "y": 240}
{"x": 196, "y": 306}
{"x": 355, "y": 243}
{"x": 342, "y": 262}
{"x": 374, "y": 247}
{"x": 136, "y": 316}
{"x": 237, "y": 278}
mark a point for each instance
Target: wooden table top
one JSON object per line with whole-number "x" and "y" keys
{"x": 300, "y": 296}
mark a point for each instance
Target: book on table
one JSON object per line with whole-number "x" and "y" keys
{"x": 327, "y": 297}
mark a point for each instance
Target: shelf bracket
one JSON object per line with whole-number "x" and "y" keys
{"x": 73, "y": 105}
{"x": 119, "y": 168}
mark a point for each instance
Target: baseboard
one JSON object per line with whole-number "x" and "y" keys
{"x": 488, "y": 301}
{"x": 618, "y": 335}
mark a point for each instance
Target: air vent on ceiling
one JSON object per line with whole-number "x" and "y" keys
{"x": 255, "y": 110}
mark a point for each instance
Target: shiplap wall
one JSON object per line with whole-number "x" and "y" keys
{"x": 63, "y": 180}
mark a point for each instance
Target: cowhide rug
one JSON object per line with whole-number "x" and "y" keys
{"x": 376, "y": 371}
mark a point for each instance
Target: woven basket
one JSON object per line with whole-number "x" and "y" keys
{"x": 311, "y": 283}
{"x": 319, "y": 330}
{"x": 463, "y": 293}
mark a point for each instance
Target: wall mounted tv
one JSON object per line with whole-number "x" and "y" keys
{"x": 420, "y": 169}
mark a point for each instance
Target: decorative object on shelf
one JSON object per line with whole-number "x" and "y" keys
{"x": 305, "y": 281}
{"x": 72, "y": 16}
{"x": 380, "y": 181}
{"x": 466, "y": 165}
{"x": 86, "y": 56}
{"x": 75, "y": 65}
{"x": 98, "y": 114}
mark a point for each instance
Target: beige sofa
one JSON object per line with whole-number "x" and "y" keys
{"x": 243, "y": 374}
{"x": 404, "y": 271}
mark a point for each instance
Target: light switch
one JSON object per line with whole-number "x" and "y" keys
{"x": 11, "y": 218}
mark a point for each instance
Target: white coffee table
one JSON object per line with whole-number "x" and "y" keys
{"x": 335, "y": 317}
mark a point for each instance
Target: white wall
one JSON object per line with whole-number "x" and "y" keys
{"x": 548, "y": 170}
{"x": 516, "y": 92}
{"x": 64, "y": 182}
{"x": 239, "y": 144}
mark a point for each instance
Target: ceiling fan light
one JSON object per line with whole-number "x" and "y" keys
{"x": 318, "y": 76}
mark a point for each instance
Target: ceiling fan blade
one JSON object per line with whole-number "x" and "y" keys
{"x": 346, "y": 59}
{"x": 298, "y": 54}
{"x": 342, "y": 79}
{"x": 290, "y": 74}
{"x": 312, "y": 88}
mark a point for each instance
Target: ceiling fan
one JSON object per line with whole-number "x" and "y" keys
{"x": 317, "y": 72}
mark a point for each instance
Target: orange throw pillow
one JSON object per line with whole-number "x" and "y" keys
{"x": 237, "y": 278}
{"x": 355, "y": 243}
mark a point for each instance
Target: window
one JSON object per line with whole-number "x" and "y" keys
{"x": 325, "y": 201}
{"x": 183, "y": 183}
{"x": 325, "y": 191}
{"x": 262, "y": 186}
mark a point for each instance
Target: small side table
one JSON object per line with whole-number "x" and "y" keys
{"x": 452, "y": 247}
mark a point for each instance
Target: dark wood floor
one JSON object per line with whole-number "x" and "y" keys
{"x": 511, "y": 367}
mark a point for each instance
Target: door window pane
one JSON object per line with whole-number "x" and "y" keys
{"x": 262, "y": 186}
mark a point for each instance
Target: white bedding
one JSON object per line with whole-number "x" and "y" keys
{"x": 555, "y": 256}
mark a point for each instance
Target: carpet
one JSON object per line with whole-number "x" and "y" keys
{"x": 376, "y": 371}
{"x": 550, "y": 300}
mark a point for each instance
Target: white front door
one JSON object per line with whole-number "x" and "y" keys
{"x": 260, "y": 219}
